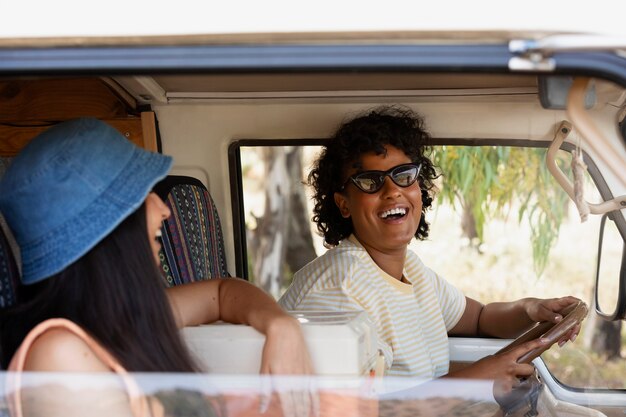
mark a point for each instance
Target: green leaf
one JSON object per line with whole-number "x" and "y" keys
{"x": 487, "y": 181}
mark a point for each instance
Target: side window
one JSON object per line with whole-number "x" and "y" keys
{"x": 500, "y": 229}
{"x": 277, "y": 207}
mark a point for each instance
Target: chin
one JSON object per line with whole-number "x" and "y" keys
{"x": 399, "y": 241}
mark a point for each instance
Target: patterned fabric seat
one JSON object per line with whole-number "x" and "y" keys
{"x": 192, "y": 241}
{"x": 9, "y": 274}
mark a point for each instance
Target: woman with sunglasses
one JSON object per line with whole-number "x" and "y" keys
{"x": 372, "y": 186}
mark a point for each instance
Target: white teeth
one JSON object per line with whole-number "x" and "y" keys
{"x": 388, "y": 213}
{"x": 158, "y": 233}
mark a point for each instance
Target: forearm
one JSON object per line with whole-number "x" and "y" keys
{"x": 504, "y": 319}
{"x": 242, "y": 302}
{"x": 236, "y": 301}
{"x": 232, "y": 300}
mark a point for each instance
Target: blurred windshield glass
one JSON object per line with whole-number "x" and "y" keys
{"x": 72, "y": 394}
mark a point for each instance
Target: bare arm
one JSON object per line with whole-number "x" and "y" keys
{"x": 237, "y": 301}
{"x": 508, "y": 319}
{"x": 232, "y": 300}
{"x": 505, "y": 320}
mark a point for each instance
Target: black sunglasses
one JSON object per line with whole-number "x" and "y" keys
{"x": 372, "y": 181}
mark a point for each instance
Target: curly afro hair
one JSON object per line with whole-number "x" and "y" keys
{"x": 391, "y": 125}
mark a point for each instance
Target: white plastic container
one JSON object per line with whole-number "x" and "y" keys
{"x": 340, "y": 343}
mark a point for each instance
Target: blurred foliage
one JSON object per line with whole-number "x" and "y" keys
{"x": 581, "y": 368}
{"x": 488, "y": 181}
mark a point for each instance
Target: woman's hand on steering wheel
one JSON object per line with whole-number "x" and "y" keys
{"x": 513, "y": 360}
{"x": 504, "y": 365}
{"x": 551, "y": 310}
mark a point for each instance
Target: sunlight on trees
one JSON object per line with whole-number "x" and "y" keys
{"x": 486, "y": 182}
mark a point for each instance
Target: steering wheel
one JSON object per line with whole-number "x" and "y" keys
{"x": 572, "y": 315}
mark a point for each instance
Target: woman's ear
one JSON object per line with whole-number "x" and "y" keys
{"x": 342, "y": 204}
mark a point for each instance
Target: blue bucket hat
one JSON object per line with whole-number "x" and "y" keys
{"x": 69, "y": 188}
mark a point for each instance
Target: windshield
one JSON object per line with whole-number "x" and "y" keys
{"x": 53, "y": 394}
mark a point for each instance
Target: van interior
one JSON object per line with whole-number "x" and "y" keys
{"x": 204, "y": 119}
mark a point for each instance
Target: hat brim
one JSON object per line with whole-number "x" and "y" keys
{"x": 123, "y": 196}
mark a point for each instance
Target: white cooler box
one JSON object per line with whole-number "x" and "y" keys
{"x": 340, "y": 343}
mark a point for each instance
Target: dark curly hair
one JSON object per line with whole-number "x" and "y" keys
{"x": 391, "y": 125}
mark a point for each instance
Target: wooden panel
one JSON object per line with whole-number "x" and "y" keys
{"x": 13, "y": 138}
{"x": 30, "y": 106}
{"x": 58, "y": 99}
{"x": 148, "y": 127}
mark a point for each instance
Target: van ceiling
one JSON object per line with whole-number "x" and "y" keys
{"x": 181, "y": 85}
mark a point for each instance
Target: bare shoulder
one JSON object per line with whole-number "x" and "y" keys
{"x": 60, "y": 350}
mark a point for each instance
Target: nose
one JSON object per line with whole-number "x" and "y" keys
{"x": 390, "y": 189}
{"x": 165, "y": 210}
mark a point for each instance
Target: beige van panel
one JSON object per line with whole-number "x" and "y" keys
{"x": 198, "y": 135}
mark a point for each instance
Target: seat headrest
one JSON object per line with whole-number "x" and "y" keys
{"x": 192, "y": 241}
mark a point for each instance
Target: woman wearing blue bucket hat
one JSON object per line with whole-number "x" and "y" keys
{"x": 78, "y": 200}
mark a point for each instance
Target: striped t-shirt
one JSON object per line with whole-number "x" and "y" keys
{"x": 412, "y": 320}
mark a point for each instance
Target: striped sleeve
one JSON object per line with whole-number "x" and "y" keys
{"x": 328, "y": 299}
{"x": 451, "y": 300}
{"x": 328, "y": 284}
{"x": 337, "y": 299}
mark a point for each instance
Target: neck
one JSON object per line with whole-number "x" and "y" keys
{"x": 390, "y": 261}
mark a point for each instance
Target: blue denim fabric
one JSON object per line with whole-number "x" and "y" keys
{"x": 69, "y": 188}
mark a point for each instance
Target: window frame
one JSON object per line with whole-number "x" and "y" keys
{"x": 236, "y": 180}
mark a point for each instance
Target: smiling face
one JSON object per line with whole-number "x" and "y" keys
{"x": 156, "y": 212}
{"x": 387, "y": 220}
